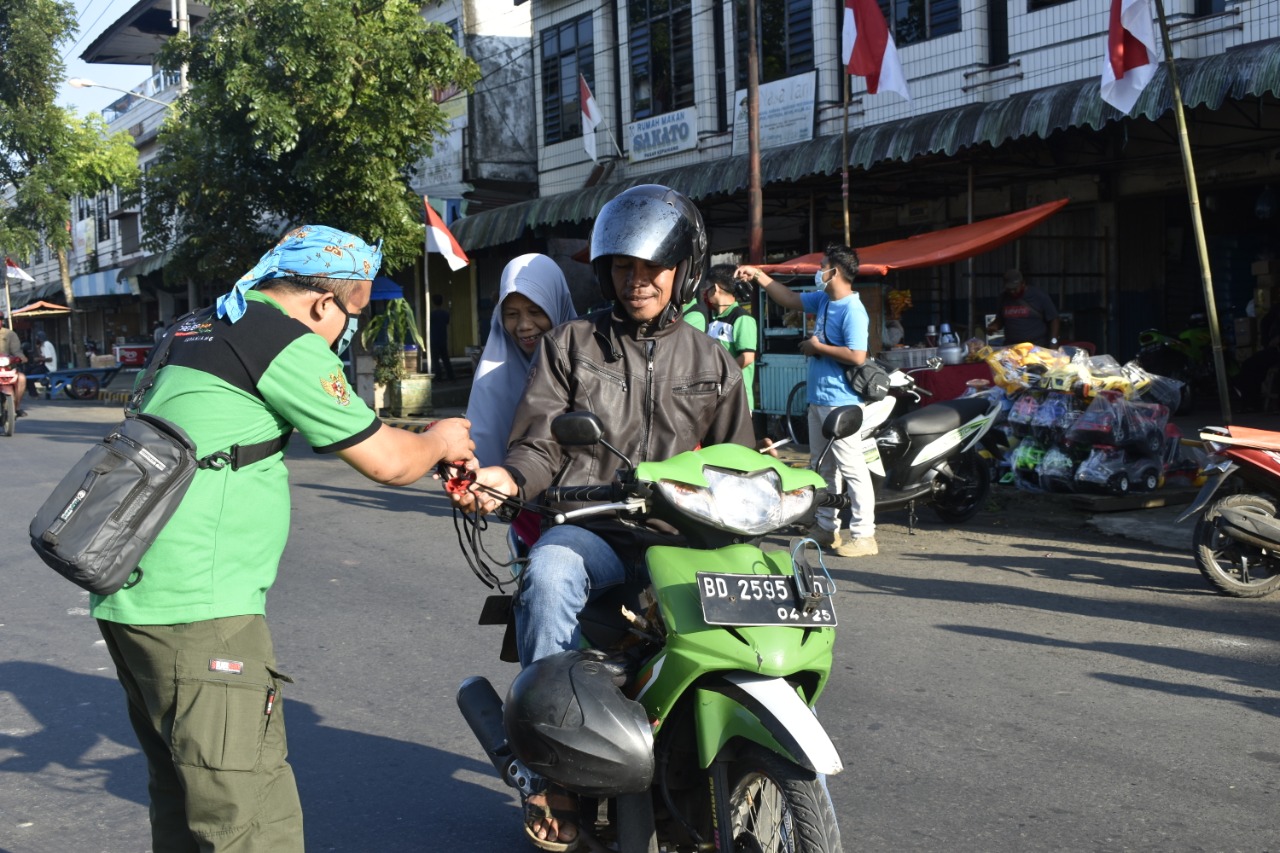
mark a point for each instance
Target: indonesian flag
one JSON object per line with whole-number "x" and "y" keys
{"x": 12, "y": 270}
{"x": 440, "y": 239}
{"x": 869, "y": 50}
{"x": 590, "y": 117}
{"x": 1131, "y": 57}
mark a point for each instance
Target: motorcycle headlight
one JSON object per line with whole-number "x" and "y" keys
{"x": 751, "y": 504}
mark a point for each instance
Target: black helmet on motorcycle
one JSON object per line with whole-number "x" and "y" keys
{"x": 657, "y": 224}
{"x": 567, "y": 721}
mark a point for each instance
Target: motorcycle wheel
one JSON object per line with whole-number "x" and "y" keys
{"x": 1232, "y": 567}
{"x": 10, "y": 414}
{"x": 964, "y": 494}
{"x": 776, "y": 807}
{"x": 797, "y": 414}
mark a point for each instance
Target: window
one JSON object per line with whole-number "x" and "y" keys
{"x": 1209, "y": 7}
{"x": 1032, "y": 5}
{"x": 661, "y": 42}
{"x": 566, "y": 52}
{"x": 920, "y": 20}
{"x": 784, "y": 37}
{"x": 102, "y": 223}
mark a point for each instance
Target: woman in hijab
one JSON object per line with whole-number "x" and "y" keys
{"x": 533, "y": 298}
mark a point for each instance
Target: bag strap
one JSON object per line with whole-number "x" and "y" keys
{"x": 238, "y": 455}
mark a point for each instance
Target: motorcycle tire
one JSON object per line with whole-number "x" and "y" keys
{"x": 776, "y": 806}
{"x": 1232, "y": 567}
{"x": 966, "y": 492}
{"x": 10, "y": 415}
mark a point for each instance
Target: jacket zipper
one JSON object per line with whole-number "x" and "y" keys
{"x": 648, "y": 397}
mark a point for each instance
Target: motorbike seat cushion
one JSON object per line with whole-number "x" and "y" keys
{"x": 943, "y": 416}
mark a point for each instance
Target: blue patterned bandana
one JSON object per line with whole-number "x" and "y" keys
{"x": 314, "y": 250}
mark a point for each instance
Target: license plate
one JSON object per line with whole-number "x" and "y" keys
{"x": 760, "y": 600}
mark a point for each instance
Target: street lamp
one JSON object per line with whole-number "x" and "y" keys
{"x": 82, "y": 83}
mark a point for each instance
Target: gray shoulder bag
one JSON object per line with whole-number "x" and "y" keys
{"x": 105, "y": 513}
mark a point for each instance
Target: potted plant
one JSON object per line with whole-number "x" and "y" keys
{"x": 386, "y": 335}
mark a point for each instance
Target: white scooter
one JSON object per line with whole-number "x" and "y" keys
{"x": 931, "y": 454}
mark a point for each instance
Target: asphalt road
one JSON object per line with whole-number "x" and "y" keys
{"x": 1021, "y": 684}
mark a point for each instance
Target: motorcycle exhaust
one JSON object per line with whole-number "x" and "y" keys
{"x": 1250, "y": 528}
{"x": 482, "y": 709}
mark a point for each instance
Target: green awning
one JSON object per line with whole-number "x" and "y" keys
{"x": 1245, "y": 72}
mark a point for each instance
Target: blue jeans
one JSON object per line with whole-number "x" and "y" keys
{"x": 568, "y": 566}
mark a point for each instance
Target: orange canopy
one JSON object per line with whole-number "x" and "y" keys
{"x": 40, "y": 309}
{"x": 933, "y": 248}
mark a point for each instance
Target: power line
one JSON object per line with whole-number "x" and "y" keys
{"x": 84, "y": 31}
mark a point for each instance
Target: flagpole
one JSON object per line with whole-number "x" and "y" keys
{"x": 1197, "y": 224}
{"x": 426, "y": 284}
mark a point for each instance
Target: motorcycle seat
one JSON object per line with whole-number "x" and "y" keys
{"x": 943, "y": 416}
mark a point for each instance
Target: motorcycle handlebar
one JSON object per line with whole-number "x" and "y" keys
{"x": 583, "y": 494}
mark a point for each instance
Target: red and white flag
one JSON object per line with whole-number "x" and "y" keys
{"x": 440, "y": 239}
{"x": 12, "y": 270}
{"x": 1131, "y": 58}
{"x": 590, "y": 117}
{"x": 869, "y": 50}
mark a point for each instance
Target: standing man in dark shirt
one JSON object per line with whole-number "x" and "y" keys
{"x": 440, "y": 339}
{"x": 1025, "y": 313}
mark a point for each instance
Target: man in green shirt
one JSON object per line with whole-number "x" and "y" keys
{"x": 731, "y": 324}
{"x": 189, "y": 638}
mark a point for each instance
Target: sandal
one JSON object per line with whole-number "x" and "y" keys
{"x": 556, "y": 804}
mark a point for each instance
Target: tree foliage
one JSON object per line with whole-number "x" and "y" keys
{"x": 299, "y": 111}
{"x": 48, "y": 154}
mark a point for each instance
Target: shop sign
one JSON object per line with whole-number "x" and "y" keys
{"x": 664, "y": 134}
{"x": 786, "y": 112}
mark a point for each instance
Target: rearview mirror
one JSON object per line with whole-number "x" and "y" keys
{"x": 578, "y": 429}
{"x": 842, "y": 422}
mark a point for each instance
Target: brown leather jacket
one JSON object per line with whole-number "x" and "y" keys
{"x": 658, "y": 393}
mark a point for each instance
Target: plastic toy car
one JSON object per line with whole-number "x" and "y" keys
{"x": 1058, "y": 470}
{"x": 1111, "y": 470}
{"x": 1053, "y": 418}
{"x": 1112, "y": 420}
{"x": 1022, "y": 413}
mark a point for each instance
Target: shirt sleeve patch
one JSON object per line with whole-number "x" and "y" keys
{"x": 335, "y": 385}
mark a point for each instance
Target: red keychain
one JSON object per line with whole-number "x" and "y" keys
{"x": 457, "y": 478}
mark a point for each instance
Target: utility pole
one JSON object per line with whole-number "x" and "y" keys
{"x": 755, "y": 198}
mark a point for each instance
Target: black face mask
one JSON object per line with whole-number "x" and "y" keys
{"x": 353, "y": 320}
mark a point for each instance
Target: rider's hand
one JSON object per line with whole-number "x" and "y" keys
{"x": 479, "y": 497}
{"x": 809, "y": 346}
{"x": 766, "y": 447}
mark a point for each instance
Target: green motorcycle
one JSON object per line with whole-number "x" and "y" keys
{"x": 690, "y": 716}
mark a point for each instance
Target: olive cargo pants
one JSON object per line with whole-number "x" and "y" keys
{"x": 204, "y": 700}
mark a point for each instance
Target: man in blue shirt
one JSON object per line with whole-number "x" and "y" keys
{"x": 839, "y": 339}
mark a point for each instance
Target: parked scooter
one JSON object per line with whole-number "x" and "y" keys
{"x": 931, "y": 454}
{"x": 692, "y": 711}
{"x": 8, "y": 387}
{"x": 1237, "y": 537}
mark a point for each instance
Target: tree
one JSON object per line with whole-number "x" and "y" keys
{"x": 48, "y": 155}
{"x": 298, "y": 112}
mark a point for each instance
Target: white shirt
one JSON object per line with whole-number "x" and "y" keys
{"x": 50, "y": 355}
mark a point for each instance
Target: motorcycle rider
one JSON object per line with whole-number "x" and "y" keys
{"x": 839, "y": 339}
{"x": 660, "y": 387}
{"x": 11, "y": 345}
